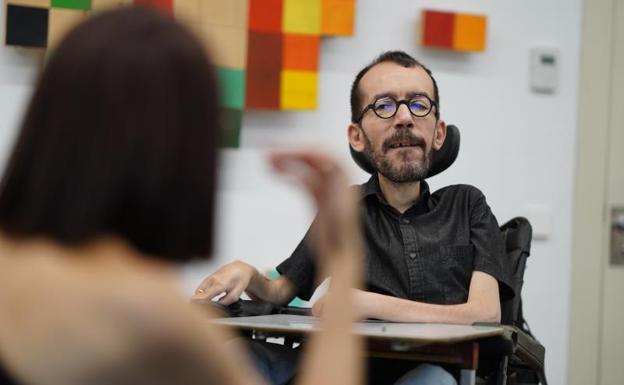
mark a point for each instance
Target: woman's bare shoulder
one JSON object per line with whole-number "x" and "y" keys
{"x": 104, "y": 322}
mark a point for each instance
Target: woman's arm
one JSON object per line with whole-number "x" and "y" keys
{"x": 334, "y": 354}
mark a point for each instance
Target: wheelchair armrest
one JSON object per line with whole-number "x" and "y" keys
{"x": 514, "y": 341}
{"x": 528, "y": 349}
{"x": 517, "y": 346}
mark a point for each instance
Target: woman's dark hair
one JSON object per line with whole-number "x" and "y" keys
{"x": 398, "y": 57}
{"x": 120, "y": 138}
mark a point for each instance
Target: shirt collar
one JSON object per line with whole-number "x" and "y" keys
{"x": 372, "y": 188}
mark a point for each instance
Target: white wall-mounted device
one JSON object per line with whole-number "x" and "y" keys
{"x": 544, "y": 69}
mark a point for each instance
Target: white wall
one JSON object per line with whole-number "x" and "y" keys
{"x": 517, "y": 146}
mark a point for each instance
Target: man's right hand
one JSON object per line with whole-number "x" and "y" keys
{"x": 231, "y": 279}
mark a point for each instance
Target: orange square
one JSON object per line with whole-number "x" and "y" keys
{"x": 338, "y": 17}
{"x": 470, "y": 32}
{"x": 301, "y": 52}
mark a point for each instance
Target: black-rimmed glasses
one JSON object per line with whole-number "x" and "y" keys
{"x": 386, "y": 107}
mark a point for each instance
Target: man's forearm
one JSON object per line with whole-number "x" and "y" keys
{"x": 279, "y": 291}
{"x": 390, "y": 308}
{"x": 482, "y": 305}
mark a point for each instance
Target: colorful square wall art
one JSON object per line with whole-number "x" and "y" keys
{"x": 267, "y": 51}
{"x": 454, "y": 31}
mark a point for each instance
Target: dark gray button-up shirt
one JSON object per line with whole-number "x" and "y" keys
{"x": 426, "y": 254}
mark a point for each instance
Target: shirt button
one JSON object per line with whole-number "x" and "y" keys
{"x": 405, "y": 221}
{"x": 412, "y": 255}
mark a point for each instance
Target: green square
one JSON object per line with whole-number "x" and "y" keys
{"x": 231, "y": 119}
{"x": 232, "y": 87}
{"x": 72, "y": 4}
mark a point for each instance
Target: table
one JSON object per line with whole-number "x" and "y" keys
{"x": 441, "y": 343}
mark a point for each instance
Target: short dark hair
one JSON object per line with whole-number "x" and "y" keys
{"x": 399, "y": 57}
{"x": 120, "y": 138}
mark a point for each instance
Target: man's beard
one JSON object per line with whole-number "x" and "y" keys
{"x": 406, "y": 172}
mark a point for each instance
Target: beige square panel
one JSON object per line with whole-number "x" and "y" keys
{"x": 62, "y": 21}
{"x": 231, "y": 13}
{"x": 31, "y": 3}
{"x": 227, "y": 45}
{"x": 101, "y": 5}
{"x": 187, "y": 10}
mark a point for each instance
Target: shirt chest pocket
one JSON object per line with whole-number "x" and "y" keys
{"x": 458, "y": 263}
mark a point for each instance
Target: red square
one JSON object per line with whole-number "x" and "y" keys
{"x": 164, "y": 5}
{"x": 438, "y": 29}
{"x": 265, "y": 15}
{"x": 264, "y": 62}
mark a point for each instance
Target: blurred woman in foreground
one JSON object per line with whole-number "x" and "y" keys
{"x": 110, "y": 184}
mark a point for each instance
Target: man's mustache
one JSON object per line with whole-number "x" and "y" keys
{"x": 402, "y": 138}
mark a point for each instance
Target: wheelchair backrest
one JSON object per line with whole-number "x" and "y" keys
{"x": 517, "y": 234}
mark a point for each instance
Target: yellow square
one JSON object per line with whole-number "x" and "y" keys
{"x": 470, "y": 32}
{"x": 62, "y": 21}
{"x": 101, "y": 5}
{"x": 298, "y": 90}
{"x": 302, "y": 16}
{"x": 31, "y": 3}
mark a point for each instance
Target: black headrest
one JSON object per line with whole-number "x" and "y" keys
{"x": 441, "y": 159}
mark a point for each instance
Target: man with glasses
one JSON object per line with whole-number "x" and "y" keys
{"x": 430, "y": 257}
